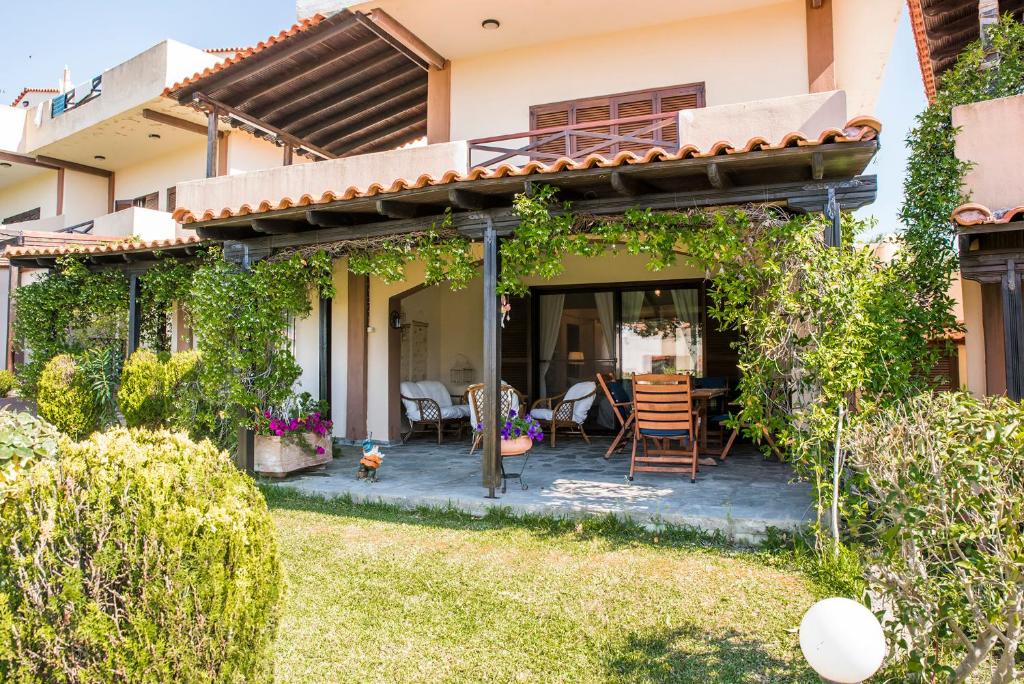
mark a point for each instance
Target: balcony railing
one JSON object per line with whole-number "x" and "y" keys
{"x": 68, "y": 101}
{"x": 607, "y": 138}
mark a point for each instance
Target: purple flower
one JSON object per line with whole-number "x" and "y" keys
{"x": 320, "y": 451}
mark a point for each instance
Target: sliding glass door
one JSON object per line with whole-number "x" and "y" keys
{"x": 662, "y": 331}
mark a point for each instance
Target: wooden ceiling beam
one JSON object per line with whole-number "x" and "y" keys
{"x": 278, "y": 226}
{"x": 718, "y": 178}
{"x": 406, "y": 38}
{"x": 176, "y": 122}
{"x": 352, "y": 145}
{"x": 75, "y": 166}
{"x": 395, "y": 209}
{"x": 473, "y": 201}
{"x": 295, "y": 45}
{"x": 413, "y": 132}
{"x": 293, "y": 100}
{"x": 628, "y": 184}
{"x": 346, "y": 118}
{"x": 15, "y": 158}
{"x": 413, "y": 100}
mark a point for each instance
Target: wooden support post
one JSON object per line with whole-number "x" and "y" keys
{"x": 356, "y": 367}
{"x": 325, "y": 351}
{"x": 211, "y": 143}
{"x": 134, "y": 322}
{"x": 244, "y": 454}
{"x": 834, "y": 232}
{"x": 821, "y": 76}
{"x": 1013, "y": 332}
{"x": 110, "y": 194}
{"x": 491, "y": 453}
{"x": 287, "y": 158}
{"x": 439, "y": 105}
{"x": 60, "y": 191}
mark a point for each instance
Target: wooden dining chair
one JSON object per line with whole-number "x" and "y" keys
{"x": 663, "y": 405}
{"x": 622, "y": 407}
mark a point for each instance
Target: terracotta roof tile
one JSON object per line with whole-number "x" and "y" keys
{"x": 924, "y": 57}
{"x": 973, "y": 214}
{"x": 244, "y": 53}
{"x": 26, "y": 91}
{"x": 858, "y": 129}
{"x": 122, "y": 246}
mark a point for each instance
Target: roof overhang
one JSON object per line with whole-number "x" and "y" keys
{"x": 333, "y": 86}
{"x": 40, "y": 250}
{"x": 991, "y": 241}
{"x": 943, "y": 28}
{"x": 798, "y": 178}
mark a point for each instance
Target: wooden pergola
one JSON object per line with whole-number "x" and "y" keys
{"x": 329, "y": 87}
{"x": 824, "y": 177}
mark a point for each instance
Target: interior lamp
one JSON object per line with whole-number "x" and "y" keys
{"x": 575, "y": 357}
{"x": 842, "y": 641}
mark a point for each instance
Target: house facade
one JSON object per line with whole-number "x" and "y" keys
{"x": 96, "y": 162}
{"x": 991, "y": 226}
{"x": 409, "y": 109}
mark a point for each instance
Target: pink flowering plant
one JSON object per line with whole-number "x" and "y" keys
{"x": 518, "y": 426}
{"x": 297, "y": 417}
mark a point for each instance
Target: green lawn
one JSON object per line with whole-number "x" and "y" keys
{"x": 378, "y": 595}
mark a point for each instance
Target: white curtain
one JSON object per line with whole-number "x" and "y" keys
{"x": 605, "y": 302}
{"x": 550, "y": 324}
{"x": 632, "y": 303}
{"x": 687, "y": 308}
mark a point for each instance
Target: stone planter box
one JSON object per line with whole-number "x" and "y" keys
{"x": 277, "y": 456}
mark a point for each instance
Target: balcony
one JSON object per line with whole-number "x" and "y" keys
{"x": 147, "y": 224}
{"x": 71, "y": 99}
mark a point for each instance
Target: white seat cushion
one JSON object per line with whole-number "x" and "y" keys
{"x": 432, "y": 389}
{"x": 458, "y": 411}
{"x": 581, "y": 408}
{"x": 541, "y": 414}
{"x": 411, "y": 390}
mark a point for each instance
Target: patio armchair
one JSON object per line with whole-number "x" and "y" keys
{"x": 428, "y": 406}
{"x": 511, "y": 400}
{"x": 567, "y": 411}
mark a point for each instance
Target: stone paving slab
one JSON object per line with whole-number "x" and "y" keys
{"x": 742, "y": 497}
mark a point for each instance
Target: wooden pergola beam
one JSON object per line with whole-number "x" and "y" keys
{"x": 176, "y": 122}
{"x": 408, "y": 40}
{"x": 349, "y": 118}
{"x": 74, "y": 166}
{"x": 353, "y": 137}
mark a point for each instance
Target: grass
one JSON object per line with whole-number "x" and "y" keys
{"x": 377, "y": 594}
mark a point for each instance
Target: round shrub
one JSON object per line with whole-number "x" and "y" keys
{"x": 7, "y": 382}
{"x": 141, "y": 396}
{"x": 24, "y": 439}
{"x": 137, "y": 556}
{"x": 65, "y": 398}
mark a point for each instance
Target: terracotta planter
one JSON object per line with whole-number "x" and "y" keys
{"x": 278, "y": 456}
{"x": 516, "y": 446}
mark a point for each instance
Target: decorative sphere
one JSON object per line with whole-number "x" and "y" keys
{"x": 842, "y": 640}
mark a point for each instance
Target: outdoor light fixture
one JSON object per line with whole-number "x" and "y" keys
{"x": 98, "y": 157}
{"x": 154, "y": 136}
{"x": 491, "y": 24}
{"x": 842, "y": 641}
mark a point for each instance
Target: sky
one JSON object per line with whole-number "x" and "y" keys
{"x": 43, "y": 36}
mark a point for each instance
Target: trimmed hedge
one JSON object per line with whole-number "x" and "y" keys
{"x": 137, "y": 556}
{"x": 65, "y": 399}
{"x": 142, "y": 396}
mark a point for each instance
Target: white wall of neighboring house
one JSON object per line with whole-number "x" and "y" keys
{"x": 38, "y": 190}
{"x": 12, "y": 127}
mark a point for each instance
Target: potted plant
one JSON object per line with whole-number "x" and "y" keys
{"x": 294, "y": 437}
{"x": 517, "y": 434}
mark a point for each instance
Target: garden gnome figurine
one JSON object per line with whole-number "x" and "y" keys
{"x": 370, "y": 462}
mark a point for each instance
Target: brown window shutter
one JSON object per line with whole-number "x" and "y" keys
{"x": 123, "y": 204}
{"x": 675, "y": 100}
{"x": 151, "y": 201}
{"x": 549, "y": 117}
{"x": 643, "y": 105}
{"x": 172, "y": 198}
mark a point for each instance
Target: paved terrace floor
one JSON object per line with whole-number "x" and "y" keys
{"x": 741, "y": 497}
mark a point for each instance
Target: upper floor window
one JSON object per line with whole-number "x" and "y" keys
{"x": 623, "y": 121}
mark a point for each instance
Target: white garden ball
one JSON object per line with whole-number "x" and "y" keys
{"x": 842, "y": 640}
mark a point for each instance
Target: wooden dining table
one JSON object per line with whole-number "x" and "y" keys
{"x": 702, "y": 397}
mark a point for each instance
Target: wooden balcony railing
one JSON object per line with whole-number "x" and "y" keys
{"x": 607, "y": 138}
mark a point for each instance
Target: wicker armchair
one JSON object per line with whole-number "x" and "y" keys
{"x": 511, "y": 400}
{"x": 429, "y": 407}
{"x": 567, "y": 411}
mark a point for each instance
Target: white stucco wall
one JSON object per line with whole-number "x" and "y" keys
{"x": 159, "y": 173}
{"x": 85, "y": 197}
{"x": 39, "y": 190}
{"x": 864, "y": 31}
{"x": 989, "y": 138}
{"x": 12, "y": 127}
{"x": 750, "y": 55}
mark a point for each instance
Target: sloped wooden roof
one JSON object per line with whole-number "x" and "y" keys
{"x": 342, "y": 84}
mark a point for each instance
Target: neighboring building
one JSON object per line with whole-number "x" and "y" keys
{"x": 991, "y": 227}
{"x": 101, "y": 159}
{"x": 649, "y": 104}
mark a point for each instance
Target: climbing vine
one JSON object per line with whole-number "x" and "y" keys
{"x": 68, "y": 310}
{"x": 933, "y": 186}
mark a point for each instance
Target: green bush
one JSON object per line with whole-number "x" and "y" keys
{"x": 137, "y": 556}
{"x": 7, "y": 382}
{"x": 24, "y": 440}
{"x": 942, "y": 480}
{"x": 65, "y": 398}
{"x": 142, "y": 395}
